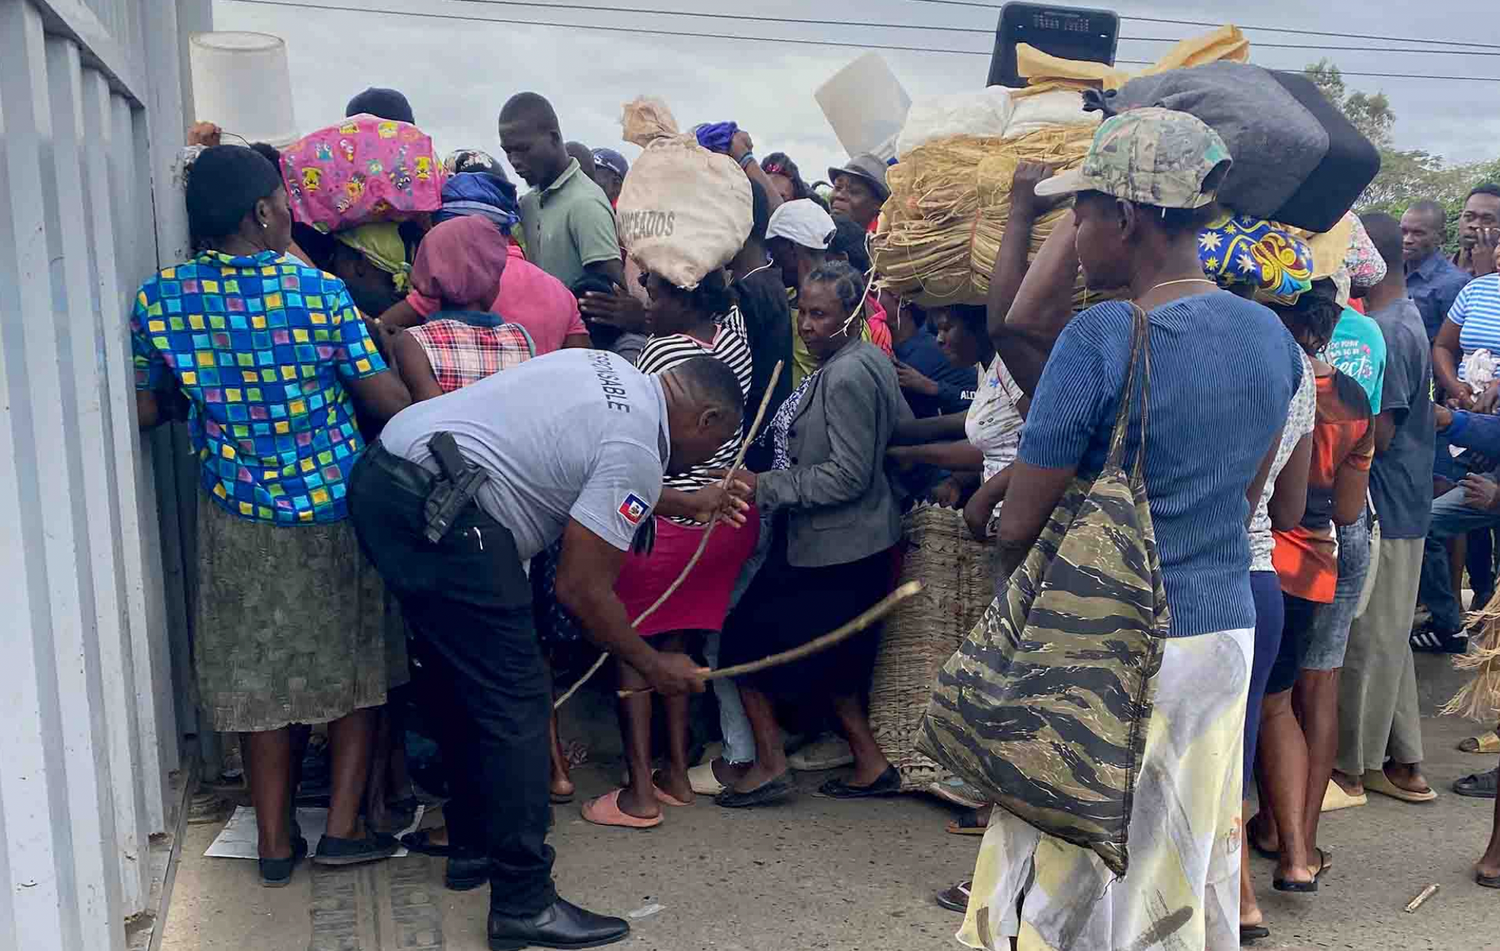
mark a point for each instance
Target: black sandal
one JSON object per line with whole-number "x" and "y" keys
{"x": 333, "y": 850}
{"x": 888, "y": 784}
{"x": 776, "y": 790}
{"x": 1249, "y": 934}
{"x": 277, "y": 873}
{"x": 1479, "y": 785}
{"x": 1295, "y": 888}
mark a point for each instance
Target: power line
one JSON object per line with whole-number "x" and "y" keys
{"x": 971, "y": 30}
{"x": 636, "y": 31}
{"x": 1262, "y": 29}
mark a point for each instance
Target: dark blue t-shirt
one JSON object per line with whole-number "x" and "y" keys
{"x": 1223, "y": 371}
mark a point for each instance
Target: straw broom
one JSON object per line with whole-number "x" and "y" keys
{"x": 739, "y": 460}
{"x": 1479, "y": 699}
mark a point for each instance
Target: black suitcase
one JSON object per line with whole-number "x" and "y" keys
{"x": 1347, "y": 169}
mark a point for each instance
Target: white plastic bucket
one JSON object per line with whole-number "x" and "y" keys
{"x": 866, "y": 105}
{"x": 242, "y": 84}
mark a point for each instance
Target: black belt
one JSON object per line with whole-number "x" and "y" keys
{"x": 446, "y": 494}
{"x": 406, "y": 475}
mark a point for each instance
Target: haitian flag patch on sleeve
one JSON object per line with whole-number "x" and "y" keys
{"x": 633, "y": 509}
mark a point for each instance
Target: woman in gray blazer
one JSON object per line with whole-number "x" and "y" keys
{"x": 837, "y": 519}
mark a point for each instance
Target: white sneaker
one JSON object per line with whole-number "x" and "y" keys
{"x": 827, "y": 752}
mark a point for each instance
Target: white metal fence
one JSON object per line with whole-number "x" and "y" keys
{"x": 91, "y": 115}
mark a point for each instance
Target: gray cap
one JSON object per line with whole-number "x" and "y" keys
{"x": 867, "y": 167}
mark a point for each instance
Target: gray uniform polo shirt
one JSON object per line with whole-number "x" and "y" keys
{"x": 577, "y": 434}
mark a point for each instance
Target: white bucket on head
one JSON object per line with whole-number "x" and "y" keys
{"x": 866, "y": 105}
{"x": 242, "y": 84}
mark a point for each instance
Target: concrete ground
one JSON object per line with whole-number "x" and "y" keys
{"x": 818, "y": 874}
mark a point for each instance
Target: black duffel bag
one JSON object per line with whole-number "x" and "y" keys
{"x": 1347, "y": 169}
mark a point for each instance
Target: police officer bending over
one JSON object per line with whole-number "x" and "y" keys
{"x": 461, "y": 491}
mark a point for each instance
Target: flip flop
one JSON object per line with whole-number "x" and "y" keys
{"x": 1376, "y": 781}
{"x": 1295, "y": 888}
{"x": 956, "y": 898}
{"x": 703, "y": 780}
{"x": 664, "y": 797}
{"x": 1325, "y": 862}
{"x": 968, "y": 824}
{"x": 1335, "y": 798}
{"x": 1486, "y": 742}
{"x": 888, "y": 784}
{"x": 1249, "y": 934}
{"x": 606, "y": 811}
{"x": 1487, "y": 881}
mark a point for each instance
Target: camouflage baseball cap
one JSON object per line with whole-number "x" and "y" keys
{"x": 1151, "y": 156}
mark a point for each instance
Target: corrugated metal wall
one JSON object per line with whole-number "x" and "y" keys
{"x": 90, "y": 116}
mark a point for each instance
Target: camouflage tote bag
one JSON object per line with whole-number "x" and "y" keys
{"x": 1045, "y": 705}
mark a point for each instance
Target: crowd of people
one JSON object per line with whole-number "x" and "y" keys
{"x": 436, "y": 454}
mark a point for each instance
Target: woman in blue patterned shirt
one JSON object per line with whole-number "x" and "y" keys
{"x": 263, "y": 357}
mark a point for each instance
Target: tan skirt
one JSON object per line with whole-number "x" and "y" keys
{"x": 292, "y": 624}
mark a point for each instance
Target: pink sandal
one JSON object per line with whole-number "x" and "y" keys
{"x": 606, "y": 811}
{"x": 664, "y": 797}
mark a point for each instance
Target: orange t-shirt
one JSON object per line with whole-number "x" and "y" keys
{"x": 1306, "y": 558}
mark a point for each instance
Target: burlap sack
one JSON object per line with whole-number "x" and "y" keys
{"x": 683, "y": 211}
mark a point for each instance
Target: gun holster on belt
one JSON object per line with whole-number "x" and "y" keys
{"x": 453, "y": 491}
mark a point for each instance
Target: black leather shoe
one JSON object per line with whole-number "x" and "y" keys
{"x": 466, "y": 871}
{"x": 562, "y": 925}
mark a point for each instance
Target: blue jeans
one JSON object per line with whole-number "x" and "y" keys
{"x": 1450, "y": 518}
{"x": 1329, "y": 637}
{"x": 739, "y": 741}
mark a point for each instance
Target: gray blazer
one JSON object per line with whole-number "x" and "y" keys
{"x": 842, "y": 507}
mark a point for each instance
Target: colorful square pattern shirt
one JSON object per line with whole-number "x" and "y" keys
{"x": 262, "y": 346}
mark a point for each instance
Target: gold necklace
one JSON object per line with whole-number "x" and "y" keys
{"x": 1185, "y": 280}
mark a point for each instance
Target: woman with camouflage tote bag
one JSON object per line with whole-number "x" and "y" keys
{"x": 1150, "y": 813}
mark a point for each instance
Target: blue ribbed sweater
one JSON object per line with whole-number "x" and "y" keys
{"x": 1223, "y": 371}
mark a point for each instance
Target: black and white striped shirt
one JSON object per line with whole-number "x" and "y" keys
{"x": 730, "y": 345}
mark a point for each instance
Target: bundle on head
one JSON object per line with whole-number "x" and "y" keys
{"x": 949, "y": 205}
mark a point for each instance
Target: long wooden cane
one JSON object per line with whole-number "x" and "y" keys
{"x": 832, "y": 638}
{"x": 739, "y": 460}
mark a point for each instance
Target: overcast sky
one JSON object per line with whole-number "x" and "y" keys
{"x": 457, "y": 73}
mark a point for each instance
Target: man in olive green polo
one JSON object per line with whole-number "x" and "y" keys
{"x": 569, "y": 226}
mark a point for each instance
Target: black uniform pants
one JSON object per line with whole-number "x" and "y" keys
{"x": 482, "y": 677}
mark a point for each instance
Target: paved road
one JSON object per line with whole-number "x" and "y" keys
{"x": 817, "y": 874}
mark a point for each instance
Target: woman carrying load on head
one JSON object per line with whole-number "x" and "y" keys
{"x": 686, "y": 324}
{"x": 1144, "y": 191}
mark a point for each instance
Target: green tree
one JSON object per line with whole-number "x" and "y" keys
{"x": 1371, "y": 115}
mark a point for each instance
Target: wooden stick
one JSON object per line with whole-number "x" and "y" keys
{"x": 832, "y": 638}
{"x": 739, "y": 460}
{"x": 1425, "y": 894}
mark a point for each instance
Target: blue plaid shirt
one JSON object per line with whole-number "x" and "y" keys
{"x": 262, "y": 347}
